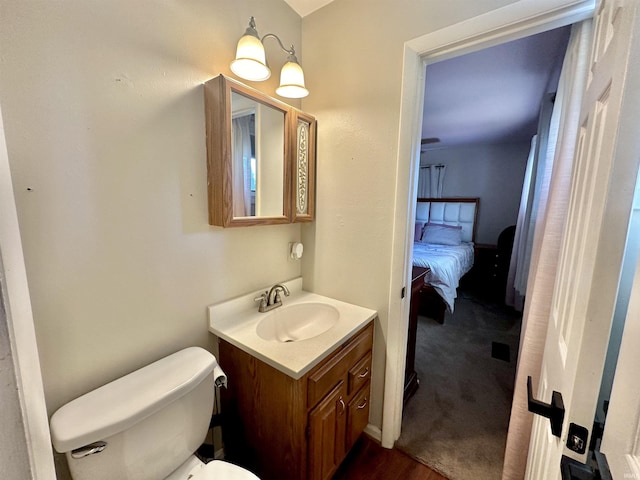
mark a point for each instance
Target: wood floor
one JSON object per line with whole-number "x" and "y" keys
{"x": 369, "y": 461}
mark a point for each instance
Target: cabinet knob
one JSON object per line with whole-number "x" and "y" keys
{"x": 344, "y": 407}
{"x": 364, "y": 404}
{"x": 365, "y": 373}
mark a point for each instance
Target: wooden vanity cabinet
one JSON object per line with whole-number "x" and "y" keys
{"x": 327, "y": 435}
{"x": 279, "y": 427}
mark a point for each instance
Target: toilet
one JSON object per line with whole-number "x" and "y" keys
{"x": 146, "y": 425}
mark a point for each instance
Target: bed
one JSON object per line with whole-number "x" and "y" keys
{"x": 443, "y": 247}
{"x": 438, "y": 268}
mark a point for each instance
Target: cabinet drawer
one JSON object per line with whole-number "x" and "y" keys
{"x": 359, "y": 374}
{"x": 357, "y": 415}
{"x": 328, "y": 374}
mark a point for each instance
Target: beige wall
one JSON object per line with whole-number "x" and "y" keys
{"x": 353, "y": 52}
{"x": 104, "y": 120}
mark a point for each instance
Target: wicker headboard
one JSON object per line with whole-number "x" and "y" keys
{"x": 450, "y": 211}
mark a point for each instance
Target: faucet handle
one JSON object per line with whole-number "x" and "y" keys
{"x": 263, "y": 299}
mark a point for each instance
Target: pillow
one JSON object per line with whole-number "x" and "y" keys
{"x": 441, "y": 234}
{"x": 418, "y": 232}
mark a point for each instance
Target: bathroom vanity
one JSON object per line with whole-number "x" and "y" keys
{"x": 280, "y": 427}
{"x": 296, "y": 415}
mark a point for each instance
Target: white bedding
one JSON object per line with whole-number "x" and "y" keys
{"x": 447, "y": 265}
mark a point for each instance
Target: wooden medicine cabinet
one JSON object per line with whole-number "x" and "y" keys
{"x": 260, "y": 157}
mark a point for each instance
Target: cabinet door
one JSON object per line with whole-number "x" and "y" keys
{"x": 357, "y": 415}
{"x": 327, "y": 432}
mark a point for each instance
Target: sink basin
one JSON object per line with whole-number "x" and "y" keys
{"x": 301, "y": 321}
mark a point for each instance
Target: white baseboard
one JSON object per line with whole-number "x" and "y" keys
{"x": 374, "y": 432}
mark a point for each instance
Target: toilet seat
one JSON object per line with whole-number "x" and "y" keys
{"x": 219, "y": 470}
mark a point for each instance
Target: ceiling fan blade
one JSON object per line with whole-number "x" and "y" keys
{"x": 428, "y": 141}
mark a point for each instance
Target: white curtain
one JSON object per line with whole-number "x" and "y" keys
{"x": 515, "y": 286}
{"x": 533, "y": 199}
{"x": 548, "y": 226}
{"x": 431, "y": 181}
{"x": 241, "y": 139}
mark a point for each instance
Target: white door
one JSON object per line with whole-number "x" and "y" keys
{"x": 621, "y": 440}
{"x": 602, "y": 189}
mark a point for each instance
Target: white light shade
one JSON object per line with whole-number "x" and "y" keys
{"x": 292, "y": 81}
{"x": 250, "y": 62}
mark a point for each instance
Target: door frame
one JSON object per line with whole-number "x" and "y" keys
{"x": 517, "y": 20}
{"x": 22, "y": 337}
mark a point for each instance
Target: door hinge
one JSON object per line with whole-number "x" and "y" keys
{"x": 403, "y": 293}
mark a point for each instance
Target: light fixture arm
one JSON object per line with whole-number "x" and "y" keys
{"x": 251, "y": 30}
{"x": 290, "y": 51}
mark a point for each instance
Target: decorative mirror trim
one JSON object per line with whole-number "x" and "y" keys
{"x": 304, "y": 168}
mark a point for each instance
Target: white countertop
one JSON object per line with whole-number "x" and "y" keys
{"x": 235, "y": 321}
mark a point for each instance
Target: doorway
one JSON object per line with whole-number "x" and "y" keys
{"x": 467, "y": 364}
{"x": 513, "y": 21}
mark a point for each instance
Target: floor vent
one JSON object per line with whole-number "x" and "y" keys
{"x": 500, "y": 351}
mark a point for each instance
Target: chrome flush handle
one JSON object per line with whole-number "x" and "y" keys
{"x": 87, "y": 450}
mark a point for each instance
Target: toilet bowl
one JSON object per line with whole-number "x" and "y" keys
{"x": 194, "y": 469}
{"x": 218, "y": 469}
{"x": 145, "y": 425}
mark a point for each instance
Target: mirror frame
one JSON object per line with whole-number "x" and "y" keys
{"x": 217, "y": 93}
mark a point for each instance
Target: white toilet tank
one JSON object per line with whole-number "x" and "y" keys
{"x": 151, "y": 420}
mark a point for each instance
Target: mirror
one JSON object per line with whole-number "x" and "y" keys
{"x": 247, "y": 155}
{"x": 257, "y": 158}
{"x": 260, "y": 157}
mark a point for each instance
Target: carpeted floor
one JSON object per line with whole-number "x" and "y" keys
{"x": 457, "y": 421}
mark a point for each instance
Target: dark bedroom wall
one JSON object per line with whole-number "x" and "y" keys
{"x": 494, "y": 173}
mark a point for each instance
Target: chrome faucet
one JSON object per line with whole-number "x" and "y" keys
{"x": 271, "y": 299}
{"x": 274, "y": 294}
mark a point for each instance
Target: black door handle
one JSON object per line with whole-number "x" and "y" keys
{"x": 553, "y": 411}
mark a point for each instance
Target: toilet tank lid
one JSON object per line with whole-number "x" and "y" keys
{"x": 119, "y": 405}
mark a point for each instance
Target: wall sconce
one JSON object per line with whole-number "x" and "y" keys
{"x": 251, "y": 64}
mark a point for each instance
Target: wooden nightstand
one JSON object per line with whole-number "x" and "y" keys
{"x": 410, "y": 376}
{"x": 489, "y": 273}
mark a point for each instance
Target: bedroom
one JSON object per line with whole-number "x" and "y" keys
{"x": 478, "y": 148}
